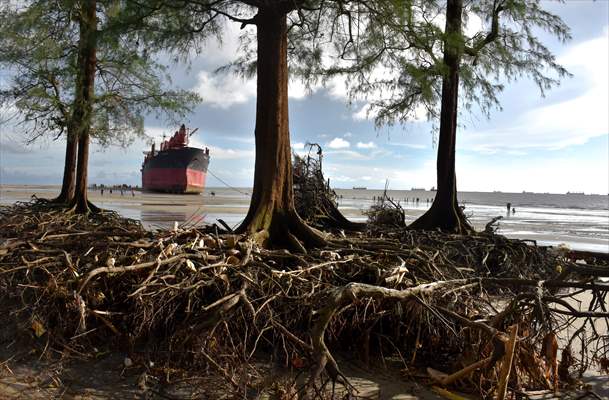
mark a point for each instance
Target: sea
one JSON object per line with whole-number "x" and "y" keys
{"x": 578, "y": 220}
{"x": 581, "y": 221}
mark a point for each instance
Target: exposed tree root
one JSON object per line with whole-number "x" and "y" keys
{"x": 283, "y": 231}
{"x": 62, "y": 200}
{"x": 80, "y": 207}
{"x": 447, "y": 219}
{"x": 221, "y": 304}
{"x": 351, "y": 293}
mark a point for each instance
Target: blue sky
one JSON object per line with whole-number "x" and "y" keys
{"x": 554, "y": 144}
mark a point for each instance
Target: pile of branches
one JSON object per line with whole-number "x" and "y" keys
{"x": 193, "y": 297}
{"x": 386, "y": 213}
{"x": 315, "y": 201}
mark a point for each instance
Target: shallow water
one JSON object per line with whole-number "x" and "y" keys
{"x": 581, "y": 221}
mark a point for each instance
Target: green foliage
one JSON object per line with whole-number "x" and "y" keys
{"x": 391, "y": 53}
{"x": 38, "y": 48}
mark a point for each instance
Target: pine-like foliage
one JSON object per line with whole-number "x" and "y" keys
{"x": 391, "y": 53}
{"x": 38, "y": 49}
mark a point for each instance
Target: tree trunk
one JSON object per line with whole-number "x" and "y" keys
{"x": 83, "y": 102}
{"x": 445, "y": 213}
{"x": 69, "y": 171}
{"x": 272, "y": 217}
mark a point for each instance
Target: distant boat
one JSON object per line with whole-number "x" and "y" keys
{"x": 360, "y": 188}
{"x": 417, "y": 189}
{"x": 433, "y": 189}
{"x": 576, "y": 193}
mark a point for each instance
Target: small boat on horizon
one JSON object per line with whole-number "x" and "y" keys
{"x": 360, "y": 188}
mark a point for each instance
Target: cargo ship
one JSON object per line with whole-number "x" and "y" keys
{"x": 176, "y": 167}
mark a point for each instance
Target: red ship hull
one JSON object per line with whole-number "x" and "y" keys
{"x": 177, "y": 170}
{"x": 173, "y": 180}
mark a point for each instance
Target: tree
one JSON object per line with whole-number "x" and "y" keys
{"x": 271, "y": 217}
{"x": 70, "y": 77}
{"x": 83, "y": 98}
{"x": 272, "y": 208}
{"x": 402, "y": 62}
{"x": 41, "y": 74}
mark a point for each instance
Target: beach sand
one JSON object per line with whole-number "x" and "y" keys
{"x": 158, "y": 210}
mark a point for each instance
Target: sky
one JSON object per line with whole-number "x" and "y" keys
{"x": 556, "y": 143}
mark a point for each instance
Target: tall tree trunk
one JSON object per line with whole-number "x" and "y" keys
{"x": 69, "y": 171}
{"x": 272, "y": 216}
{"x": 83, "y": 102}
{"x": 445, "y": 212}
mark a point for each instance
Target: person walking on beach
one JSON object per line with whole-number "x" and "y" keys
{"x": 509, "y": 206}
{"x": 102, "y": 191}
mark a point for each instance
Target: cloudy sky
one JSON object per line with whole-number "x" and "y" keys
{"x": 554, "y": 144}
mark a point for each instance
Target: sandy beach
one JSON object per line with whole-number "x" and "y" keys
{"x": 581, "y": 229}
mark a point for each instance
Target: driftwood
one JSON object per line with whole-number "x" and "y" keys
{"x": 386, "y": 212}
{"x": 315, "y": 201}
{"x": 508, "y": 359}
{"x": 197, "y": 299}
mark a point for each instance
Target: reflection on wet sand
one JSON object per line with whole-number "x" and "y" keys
{"x": 162, "y": 219}
{"x": 583, "y": 228}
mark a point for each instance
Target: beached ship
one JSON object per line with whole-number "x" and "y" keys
{"x": 176, "y": 167}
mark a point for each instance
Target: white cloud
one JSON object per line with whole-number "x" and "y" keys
{"x": 338, "y": 143}
{"x": 348, "y": 154}
{"x": 297, "y": 90}
{"x": 222, "y": 153}
{"x": 365, "y": 113}
{"x": 298, "y": 146}
{"x": 369, "y": 145}
{"x": 224, "y": 90}
{"x": 369, "y": 112}
{"x": 342, "y": 178}
{"x": 473, "y": 26}
{"x": 555, "y": 126}
{"x": 215, "y": 52}
{"x": 423, "y": 175}
{"x": 417, "y": 146}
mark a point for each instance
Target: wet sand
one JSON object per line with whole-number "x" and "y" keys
{"x": 157, "y": 210}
